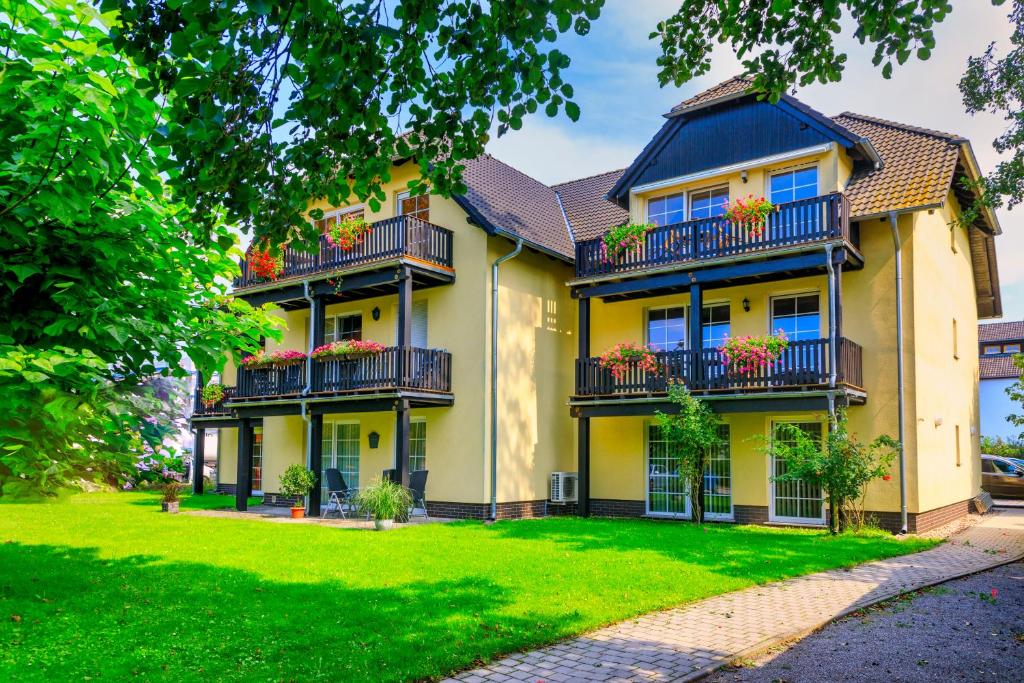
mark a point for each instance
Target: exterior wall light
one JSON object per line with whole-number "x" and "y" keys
{"x": 743, "y": 176}
{"x": 375, "y": 313}
{"x": 746, "y": 305}
{"x": 374, "y": 439}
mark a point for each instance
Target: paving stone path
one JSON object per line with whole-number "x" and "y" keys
{"x": 686, "y": 643}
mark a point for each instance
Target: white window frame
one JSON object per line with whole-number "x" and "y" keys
{"x": 334, "y": 446}
{"x": 687, "y": 512}
{"x": 709, "y": 189}
{"x": 334, "y": 213}
{"x": 417, "y": 420}
{"x": 1006, "y": 348}
{"x": 686, "y": 324}
{"x": 711, "y": 304}
{"x": 729, "y": 516}
{"x": 407, "y": 194}
{"x": 794, "y": 295}
{"x": 647, "y": 204}
{"x": 258, "y": 429}
{"x": 986, "y": 352}
{"x": 336, "y": 317}
{"x": 792, "y": 169}
{"x": 796, "y": 521}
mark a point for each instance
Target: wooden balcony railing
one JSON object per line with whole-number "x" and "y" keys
{"x": 199, "y": 409}
{"x": 802, "y": 364}
{"x": 388, "y": 239}
{"x": 794, "y": 223}
{"x": 392, "y": 369}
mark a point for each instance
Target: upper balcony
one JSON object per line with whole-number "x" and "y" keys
{"x": 789, "y": 228}
{"x": 425, "y": 247}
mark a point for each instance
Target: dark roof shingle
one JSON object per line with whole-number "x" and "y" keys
{"x": 998, "y": 367}
{"x": 589, "y": 213}
{"x": 737, "y": 85}
{"x": 917, "y": 166}
{"x": 508, "y": 199}
{"x": 1006, "y": 331}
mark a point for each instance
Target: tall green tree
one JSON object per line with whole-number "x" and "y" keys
{"x": 273, "y": 103}
{"x": 692, "y": 433}
{"x": 103, "y": 274}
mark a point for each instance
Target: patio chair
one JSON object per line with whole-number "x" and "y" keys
{"x": 338, "y": 494}
{"x": 389, "y": 475}
{"x": 418, "y": 489}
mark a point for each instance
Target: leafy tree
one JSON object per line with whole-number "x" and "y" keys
{"x": 1013, "y": 448}
{"x": 102, "y": 272}
{"x": 692, "y": 434}
{"x": 841, "y": 465}
{"x": 272, "y": 103}
{"x": 1016, "y": 393}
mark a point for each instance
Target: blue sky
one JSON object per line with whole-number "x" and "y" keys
{"x": 615, "y": 78}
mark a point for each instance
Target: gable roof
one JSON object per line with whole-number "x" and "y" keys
{"x": 736, "y": 86}
{"x": 1007, "y": 331}
{"x": 588, "y": 212}
{"x": 997, "y": 367}
{"x": 504, "y": 200}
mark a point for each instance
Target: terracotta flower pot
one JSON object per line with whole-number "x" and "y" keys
{"x": 298, "y": 513}
{"x": 171, "y": 507}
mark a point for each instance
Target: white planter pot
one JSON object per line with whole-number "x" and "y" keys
{"x": 169, "y": 507}
{"x": 383, "y": 524}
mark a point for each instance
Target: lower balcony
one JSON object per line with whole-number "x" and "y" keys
{"x": 393, "y": 370}
{"x": 802, "y": 365}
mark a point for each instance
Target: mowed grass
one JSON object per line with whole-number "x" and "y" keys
{"x": 106, "y": 587}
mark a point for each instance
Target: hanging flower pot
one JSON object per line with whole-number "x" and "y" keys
{"x": 747, "y": 355}
{"x": 624, "y": 240}
{"x": 622, "y": 357}
{"x": 347, "y": 234}
{"x": 751, "y": 213}
{"x": 212, "y": 394}
{"x": 347, "y": 348}
{"x": 263, "y": 265}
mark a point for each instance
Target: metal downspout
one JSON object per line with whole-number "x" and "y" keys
{"x": 897, "y": 248}
{"x": 494, "y": 373}
{"x": 832, "y": 341}
{"x": 309, "y": 379}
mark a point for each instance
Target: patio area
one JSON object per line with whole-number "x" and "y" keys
{"x": 277, "y": 513}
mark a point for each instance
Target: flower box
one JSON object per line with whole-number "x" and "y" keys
{"x": 622, "y": 357}
{"x": 746, "y": 355}
{"x": 347, "y": 349}
{"x": 276, "y": 359}
{"x": 347, "y": 234}
{"x": 624, "y": 240}
{"x": 751, "y": 213}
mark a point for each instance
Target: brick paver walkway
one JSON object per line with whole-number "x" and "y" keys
{"x": 685, "y": 643}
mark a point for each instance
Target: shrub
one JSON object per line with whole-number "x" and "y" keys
{"x": 384, "y": 499}
{"x": 212, "y": 394}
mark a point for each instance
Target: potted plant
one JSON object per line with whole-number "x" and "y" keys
{"x": 346, "y": 234}
{"x": 385, "y": 500}
{"x": 256, "y": 361}
{"x": 212, "y": 395}
{"x": 621, "y": 357}
{"x": 297, "y": 482}
{"x": 751, "y": 213}
{"x": 263, "y": 265}
{"x": 624, "y": 239}
{"x": 282, "y": 358}
{"x": 171, "y": 499}
{"x": 348, "y": 348}
{"x": 748, "y": 354}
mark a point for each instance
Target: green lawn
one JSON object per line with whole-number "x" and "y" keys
{"x": 105, "y": 586}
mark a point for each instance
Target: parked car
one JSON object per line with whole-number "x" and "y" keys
{"x": 1002, "y": 477}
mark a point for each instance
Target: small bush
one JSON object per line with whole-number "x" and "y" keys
{"x": 384, "y": 499}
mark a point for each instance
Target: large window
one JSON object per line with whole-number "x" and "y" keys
{"x": 340, "y": 446}
{"x": 797, "y": 500}
{"x": 257, "y": 460}
{"x": 666, "y": 488}
{"x": 714, "y": 325}
{"x": 418, "y": 206}
{"x": 335, "y": 217}
{"x": 718, "y": 479}
{"x": 417, "y": 444}
{"x": 790, "y": 186}
{"x": 349, "y": 326}
{"x": 708, "y": 203}
{"x": 666, "y": 328}
{"x": 798, "y": 316}
{"x": 665, "y": 210}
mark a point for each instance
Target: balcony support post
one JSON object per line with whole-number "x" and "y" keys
{"x": 402, "y": 442}
{"x": 316, "y": 463}
{"x": 198, "y": 457}
{"x": 696, "y": 338}
{"x": 243, "y": 472}
{"x": 404, "y": 322}
{"x": 583, "y": 466}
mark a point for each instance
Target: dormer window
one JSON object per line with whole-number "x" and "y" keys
{"x": 666, "y": 210}
{"x": 709, "y": 202}
{"x": 789, "y": 186}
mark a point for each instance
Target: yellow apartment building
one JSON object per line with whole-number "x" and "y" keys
{"x": 504, "y": 297}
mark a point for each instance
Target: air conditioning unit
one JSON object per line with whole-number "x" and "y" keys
{"x": 563, "y": 487}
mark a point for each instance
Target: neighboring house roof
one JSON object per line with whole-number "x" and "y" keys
{"x": 998, "y": 367}
{"x": 1007, "y": 331}
{"x": 502, "y": 199}
{"x": 586, "y": 208}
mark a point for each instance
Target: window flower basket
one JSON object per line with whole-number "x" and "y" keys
{"x": 347, "y": 234}
{"x": 263, "y": 265}
{"x": 347, "y": 348}
{"x": 751, "y": 213}
{"x": 621, "y": 357}
{"x": 256, "y": 361}
{"x": 747, "y": 355}
{"x": 212, "y": 394}
{"x": 285, "y": 357}
{"x": 624, "y": 239}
